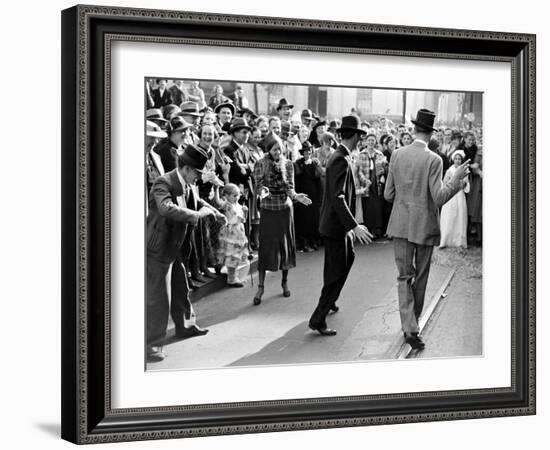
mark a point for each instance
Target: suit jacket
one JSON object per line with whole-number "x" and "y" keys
{"x": 237, "y": 157}
{"x": 415, "y": 187}
{"x": 168, "y": 153}
{"x": 161, "y": 100}
{"x": 168, "y": 223}
{"x": 338, "y": 208}
{"x": 178, "y": 95}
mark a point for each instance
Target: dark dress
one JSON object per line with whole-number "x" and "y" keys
{"x": 373, "y": 203}
{"x": 473, "y": 198}
{"x": 308, "y": 181}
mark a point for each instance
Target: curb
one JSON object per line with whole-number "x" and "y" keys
{"x": 405, "y": 349}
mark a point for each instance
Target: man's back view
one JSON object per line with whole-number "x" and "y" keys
{"x": 415, "y": 187}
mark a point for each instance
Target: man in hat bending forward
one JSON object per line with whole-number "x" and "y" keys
{"x": 173, "y": 211}
{"x": 337, "y": 224}
{"x": 414, "y": 186}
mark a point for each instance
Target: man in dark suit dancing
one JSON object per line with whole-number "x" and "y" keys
{"x": 173, "y": 211}
{"x": 414, "y": 186}
{"x": 337, "y": 224}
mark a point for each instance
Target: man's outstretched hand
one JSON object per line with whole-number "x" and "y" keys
{"x": 362, "y": 234}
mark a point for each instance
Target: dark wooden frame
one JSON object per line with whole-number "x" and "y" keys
{"x": 87, "y": 33}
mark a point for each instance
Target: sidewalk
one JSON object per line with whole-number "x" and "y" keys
{"x": 276, "y": 332}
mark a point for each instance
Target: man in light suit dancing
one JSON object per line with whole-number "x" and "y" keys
{"x": 414, "y": 186}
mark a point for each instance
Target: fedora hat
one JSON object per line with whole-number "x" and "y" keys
{"x": 229, "y": 105}
{"x": 178, "y": 123}
{"x": 333, "y": 124}
{"x": 190, "y": 109}
{"x": 307, "y": 114}
{"x": 351, "y": 123}
{"x": 283, "y": 103}
{"x": 154, "y": 130}
{"x": 244, "y": 111}
{"x": 155, "y": 114}
{"x": 238, "y": 124}
{"x": 193, "y": 157}
{"x": 425, "y": 119}
{"x": 318, "y": 124}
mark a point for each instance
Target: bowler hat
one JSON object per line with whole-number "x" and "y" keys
{"x": 178, "y": 124}
{"x": 154, "y": 130}
{"x": 283, "y": 103}
{"x": 190, "y": 109}
{"x": 229, "y": 105}
{"x": 425, "y": 119}
{"x": 351, "y": 123}
{"x": 238, "y": 124}
{"x": 193, "y": 157}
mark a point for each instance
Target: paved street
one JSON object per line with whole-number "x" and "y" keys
{"x": 276, "y": 332}
{"x": 455, "y": 327}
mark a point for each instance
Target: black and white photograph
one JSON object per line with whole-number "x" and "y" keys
{"x": 292, "y": 224}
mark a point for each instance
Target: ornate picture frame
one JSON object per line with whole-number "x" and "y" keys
{"x": 88, "y": 33}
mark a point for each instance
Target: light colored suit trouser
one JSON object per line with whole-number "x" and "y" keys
{"x": 413, "y": 264}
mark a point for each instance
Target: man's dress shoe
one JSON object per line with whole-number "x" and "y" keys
{"x": 414, "y": 341}
{"x": 154, "y": 354}
{"x": 199, "y": 278}
{"x": 323, "y": 331}
{"x": 185, "y": 333}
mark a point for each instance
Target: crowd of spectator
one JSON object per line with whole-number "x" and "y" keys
{"x": 240, "y": 176}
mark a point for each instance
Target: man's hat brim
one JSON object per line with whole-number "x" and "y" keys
{"x": 157, "y": 134}
{"x": 188, "y": 113}
{"x": 282, "y": 106}
{"x": 239, "y": 127}
{"x": 357, "y": 130}
{"x": 247, "y": 111}
{"x": 157, "y": 119}
{"x": 423, "y": 126}
{"x": 182, "y": 127}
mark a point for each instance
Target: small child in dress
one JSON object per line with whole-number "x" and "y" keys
{"x": 233, "y": 250}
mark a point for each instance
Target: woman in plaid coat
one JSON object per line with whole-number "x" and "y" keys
{"x": 274, "y": 178}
